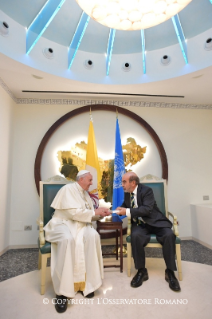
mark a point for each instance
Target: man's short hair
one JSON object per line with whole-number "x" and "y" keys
{"x": 134, "y": 178}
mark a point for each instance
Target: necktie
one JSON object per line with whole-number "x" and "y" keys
{"x": 132, "y": 200}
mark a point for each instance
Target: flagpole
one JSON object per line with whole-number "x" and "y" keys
{"x": 92, "y": 163}
{"x": 119, "y": 169}
{"x": 91, "y": 119}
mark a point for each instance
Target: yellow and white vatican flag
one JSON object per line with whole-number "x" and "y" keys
{"x": 92, "y": 164}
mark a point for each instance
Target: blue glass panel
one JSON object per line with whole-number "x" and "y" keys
{"x": 110, "y": 49}
{"x": 77, "y": 38}
{"x": 41, "y": 22}
{"x": 180, "y": 35}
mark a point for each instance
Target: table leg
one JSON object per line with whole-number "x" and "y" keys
{"x": 121, "y": 250}
{"x": 117, "y": 245}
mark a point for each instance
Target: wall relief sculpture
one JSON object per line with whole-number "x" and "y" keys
{"x": 74, "y": 160}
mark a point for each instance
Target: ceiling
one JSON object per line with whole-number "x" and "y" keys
{"x": 35, "y": 72}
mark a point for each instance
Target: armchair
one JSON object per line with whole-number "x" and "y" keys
{"x": 48, "y": 190}
{"x": 159, "y": 189}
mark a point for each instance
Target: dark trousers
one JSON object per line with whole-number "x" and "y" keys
{"x": 140, "y": 237}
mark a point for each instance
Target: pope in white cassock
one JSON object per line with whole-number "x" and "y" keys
{"x": 76, "y": 256}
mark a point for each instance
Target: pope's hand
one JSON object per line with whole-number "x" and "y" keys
{"x": 102, "y": 211}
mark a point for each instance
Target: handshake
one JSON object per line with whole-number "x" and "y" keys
{"x": 103, "y": 211}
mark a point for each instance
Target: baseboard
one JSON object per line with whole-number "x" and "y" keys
{"x": 202, "y": 242}
{"x": 186, "y": 238}
{"x": 4, "y": 250}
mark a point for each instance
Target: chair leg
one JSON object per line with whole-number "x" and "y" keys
{"x": 179, "y": 267}
{"x": 129, "y": 254}
{"x": 43, "y": 273}
{"x": 39, "y": 260}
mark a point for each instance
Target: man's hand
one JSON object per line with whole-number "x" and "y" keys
{"x": 102, "y": 211}
{"x": 121, "y": 211}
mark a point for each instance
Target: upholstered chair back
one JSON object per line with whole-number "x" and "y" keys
{"x": 49, "y": 193}
{"x": 159, "y": 193}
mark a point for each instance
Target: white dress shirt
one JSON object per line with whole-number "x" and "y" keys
{"x": 135, "y": 201}
{"x": 135, "y": 206}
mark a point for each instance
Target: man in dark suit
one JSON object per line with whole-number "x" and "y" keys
{"x": 140, "y": 205}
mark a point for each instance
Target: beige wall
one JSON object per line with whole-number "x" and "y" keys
{"x": 6, "y": 116}
{"x": 185, "y": 134}
{"x": 201, "y": 231}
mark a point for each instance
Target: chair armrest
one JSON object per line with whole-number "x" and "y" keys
{"x": 41, "y": 233}
{"x": 175, "y": 228}
{"x": 129, "y": 226}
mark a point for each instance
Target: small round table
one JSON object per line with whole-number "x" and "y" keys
{"x": 111, "y": 225}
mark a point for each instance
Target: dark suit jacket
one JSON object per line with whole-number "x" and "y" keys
{"x": 147, "y": 208}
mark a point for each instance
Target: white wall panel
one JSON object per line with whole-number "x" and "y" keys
{"x": 185, "y": 134}
{"x": 6, "y": 117}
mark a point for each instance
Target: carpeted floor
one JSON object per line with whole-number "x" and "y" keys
{"x": 19, "y": 261}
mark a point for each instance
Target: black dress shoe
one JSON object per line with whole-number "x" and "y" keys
{"x": 172, "y": 280}
{"x": 91, "y": 295}
{"x": 142, "y": 275}
{"x": 61, "y": 303}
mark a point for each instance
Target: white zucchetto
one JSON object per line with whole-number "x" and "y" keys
{"x": 82, "y": 172}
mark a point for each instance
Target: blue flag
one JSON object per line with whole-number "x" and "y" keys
{"x": 119, "y": 170}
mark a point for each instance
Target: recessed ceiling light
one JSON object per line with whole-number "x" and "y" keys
{"x": 4, "y": 29}
{"x": 165, "y": 60}
{"x": 198, "y": 76}
{"x": 208, "y": 44}
{"x": 88, "y": 64}
{"x": 37, "y": 77}
{"x": 126, "y": 66}
{"x": 48, "y": 53}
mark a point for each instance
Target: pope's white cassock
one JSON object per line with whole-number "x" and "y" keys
{"x": 76, "y": 256}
